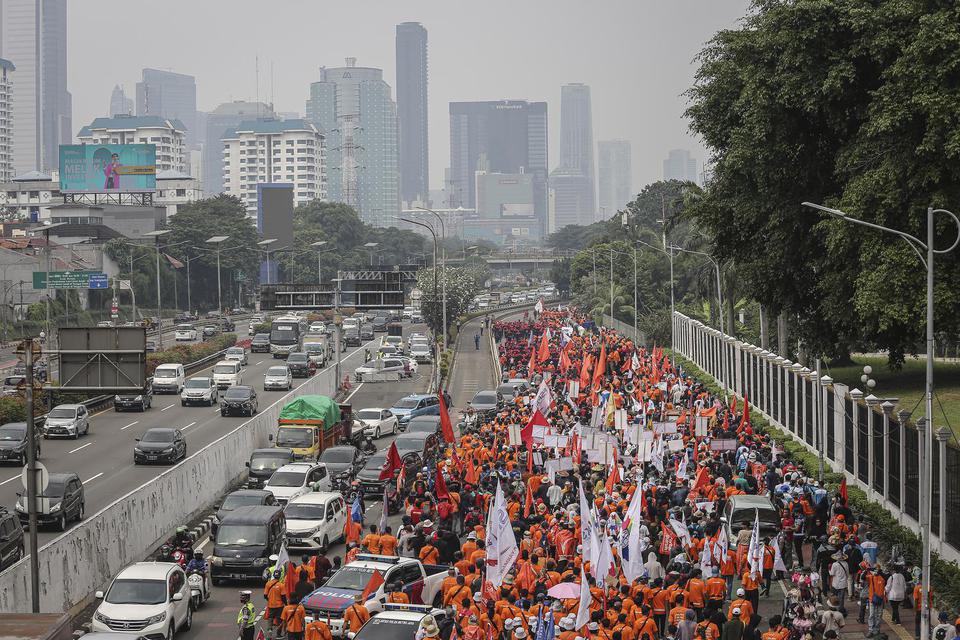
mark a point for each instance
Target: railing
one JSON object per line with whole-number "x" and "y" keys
{"x": 624, "y": 329}
{"x": 877, "y": 451}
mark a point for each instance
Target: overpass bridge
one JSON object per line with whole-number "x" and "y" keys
{"x": 519, "y": 260}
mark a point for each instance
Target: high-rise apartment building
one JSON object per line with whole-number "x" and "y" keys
{"x": 120, "y": 104}
{"x": 272, "y": 151}
{"x": 680, "y": 165}
{"x": 6, "y": 120}
{"x": 614, "y": 176}
{"x": 412, "y": 112}
{"x": 572, "y": 181}
{"x": 170, "y": 95}
{"x": 354, "y": 109}
{"x": 33, "y": 36}
{"x": 508, "y": 136}
{"x": 167, "y": 134}
{"x": 226, "y": 117}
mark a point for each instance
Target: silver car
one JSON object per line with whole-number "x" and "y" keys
{"x": 236, "y": 353}
{"x": 67, "y": 420}
{"x": 278, "y": 378}
{"x": 199, "y": 390}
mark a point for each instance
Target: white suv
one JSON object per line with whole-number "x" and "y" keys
{"x": 227, "y": 373}
{"x": 314, "y": 520}
{"x": 297, "y": 478}
{"x": 148, "y": 599}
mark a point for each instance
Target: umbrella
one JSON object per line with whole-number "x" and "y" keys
{"x": 564, "y": 590}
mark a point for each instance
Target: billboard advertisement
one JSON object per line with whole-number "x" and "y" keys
{"x": 108, "y": 168}
{"x": 275, "y": 220}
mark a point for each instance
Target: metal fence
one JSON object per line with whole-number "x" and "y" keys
{"x": 877, "y": 451}
{"x": 624, "y": 329}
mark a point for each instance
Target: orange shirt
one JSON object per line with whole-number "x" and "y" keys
{"x": 294, "y": 617}
{"x": 372, "y": 542}
{"x": 695, "y": 592}
{"x": 388, "y": 544}
{"x": 677, "y": 615}
{"x": 749, "y": 582}
{"x": 355, "y": 616}
{"x": 429, "y": 554}
{"x": 275, "y": 595}
{"x": 716, "y": 589}
{"x": 318, "y": 630}
{"x": 659, "y": 601}
{"x": 709, "y": 630}
{"x": 746, "y": 610}
{"x": 645, "y": 625}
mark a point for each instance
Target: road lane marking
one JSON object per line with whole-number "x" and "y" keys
{"x": 92, "y": 478}
{"x": 357, "y": 388}
{"x": 83, "y": 446}
{"x": 188, "y": 426}
{"x": 130, "y": 425}
{"x": 9, "y": 479}
{"x": 169, "y": 406}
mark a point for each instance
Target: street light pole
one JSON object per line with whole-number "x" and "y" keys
{"x": 927, "y": 430}
{"x": 156, "y": 236}
{"x": 266, "y": 248}
{"x": 317, "y": 245}
{"x": 443, "y": 270}
{"x": 435, "y": 345}
{"x": 218, "y": 241}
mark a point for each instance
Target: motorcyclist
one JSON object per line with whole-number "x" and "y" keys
{"x": 181, "y": 539}
{"x": 197, "y": 563}
{"x": 369, "y": 446}
{"x": 165, "y": 554}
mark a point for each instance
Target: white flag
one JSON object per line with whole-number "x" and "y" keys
{"x": 721, "y": 546}
{"x": 632, "y": 520}
{"x": 773, "y": 453}
{"x": 501, "y": 543}
{"x": 778, "y": 563}
{"x": 543, "y": 399}
{"x": 755, "y": 550}
{"x": 587, "y": 526}
{"x": 283, "y": 558}
{"x": 583, "y": 612}
{"x": 539, "y": 306}
{"x": 603, "y": 565}
{"x": 681, "y": 530}
{"x": 656, "y": 456}
{"x": 383, "y": 516}
{"x": 682, "y": 467}
{"x": 706, "y": 560}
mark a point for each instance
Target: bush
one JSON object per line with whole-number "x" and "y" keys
{"x": 187, "y": 353}
{"x": 13, "y": 409}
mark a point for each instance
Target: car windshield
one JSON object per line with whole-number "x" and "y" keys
{"x": 283, "y": 335}
{"x": 157, "y": 436}
{"x": 768, "y": 517}
{"x": 368, "y": 414}
{"x": 237, "y": 394}
{"x": 313, "y": 347}
{"x": 225, "y": 368}
{"x": 295, "y": 358}
{"x": 277, "y": 371}
{"x": 485, "y": 398}
{"x": 235, "y": 351}
{"x": 350, "y": 578}
{"x": 375, "y": 461}
{"x": 407, "y": 403}
{"x": 387, "y": 349}
{"x": 263, "y": 462}
{"x": 410, "y": 443}
{"x": 13, "y": 432}
{"x": 198, "y": 383}
{"x": 304, "y": 511}
{"x": 261, "y": 337}
{"x": 61, "y": 412}
{"x": 235, "y": 500}
{"x": 124, "y": 591}
{"x": 184, "y": 327}
{"x": 56, "y": 488}
{"x": 338, "y": 455}
{"x": 289, "y": 437}
{"x": 242, "y": 535}
{"x": 380, "y": 628}
{"x": 162, "y": 372}
{"x": 287, "y": 479}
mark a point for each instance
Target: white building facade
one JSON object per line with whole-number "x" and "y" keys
{"x": 6, "y": 120}
{"x": 169, "y": 136}
{"x": 175, "y": 189}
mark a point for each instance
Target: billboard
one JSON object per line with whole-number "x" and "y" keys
{"x": 108, "y": 168}
{"x": 102, "y": 359}
{"x": 275, "y": 220}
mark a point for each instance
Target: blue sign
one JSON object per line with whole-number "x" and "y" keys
{"x": 99, "y": 281}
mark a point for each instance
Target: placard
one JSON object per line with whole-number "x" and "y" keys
{"x": 551, "y": 468}
{"x": 675, "y": 445}
{"x": 723, "y": 444}
{"x": 557, "y": 442}
{"x": 594, "y": 455}
{"x": 539, "y": 432}
{"x": 703, "y": 424}
{"x": 565, "y": 464}
{"x": 513, "y": 431}
{"x": 537, "y": 459}
{"x": 646, "y": 436}
{"x": 645, "y": 451}
{"x": 620, "y": 419}
{"x": 665, "y": 427}
{"x": 574, "y": 388}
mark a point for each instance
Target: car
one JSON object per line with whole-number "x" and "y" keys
{"x": 130, "y": 400}
{"x": 388, "y": 350}
{"x": 263, "y": 462}
{"x": 510, "y": 390}
{"x": 380, "y": 324}
{"x": 65, "y": 495}
{"x": 424, "y": 424}
{"x": 376, "y": 422}
{"x": 245, "y": 540}
{"x": 316, "y": 327}
{"x": 381, "y": 365}
{"x": 151, "y": 347}
{"x": 149, "y": 598}
{"x": 278, "y": 378}
{"x": 67, "y": 420}
{"x": 414, "y": 403}
{"x": 236, "y": 353}
{"x": 260, "y": 343}
{"x": 487, "y": 402}
{"x": 423, "y": 444}
{"x": 416, "y": 318}
{"x": 342, "y": 461}
{"x": 421, "y": 352}
{"x": 200, "y": 390}
{"x": 399, "y": 622}
{"x": 160, "y": 444}
{"x": 11, "y": 539}
{"x": 741, "y": 511}
{"x": 300, "y": 365}
{"x": 185, "y": 332}
{"x": 240, "y": 400}
{"x": 410, "y": 365}
{"x": 351, "y": 337}
{"x": 227, "y": 325}
{"x": 240, "y": 498}
{"x": 369, "y": 474}
{"x": 297, "y": 478}
{"x": 210, "y": 330}
{"x": 366, "y": 332}
{"x": 168, "y": 378}
{"x": 315, "y": 520}
{"x": 13, "y": 442}
{"x": 227, "y": 373}
{"x": 317, "y": 352}
{"x": 393, "y": 341}
{"x": 39, "y": 370}
{"x": 105, "y": 323}
{"x": 12, "y": 385}
{"x": 407, "y": 313}
{"x": 349, "y": 323}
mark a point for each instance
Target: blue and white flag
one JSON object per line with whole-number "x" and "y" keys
{"x": 356, "y": 511}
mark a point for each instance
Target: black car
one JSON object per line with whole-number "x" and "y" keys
{"x": 140, "y": 401}
{"x": 380, "y": 323}
{"x": 369, "y": 474}
{"x": 366, "y": 332}
{"x": 260, "y": 343}
{"x": 241, "y": 498}
{"x": 300, "y": 365}
{"x": 487, "y": 402}
{"x": 351, "y": 337}
{"x": 342, "y": 461}
{"x": 424, "y": 424}
{"x": 423, "y": 444}
{"x": 239, "y": 400}
{"x": 65, "y": 493}
{"x": 11, "y": 539}
{"x": 245, "y": 540}
{"x": 263, "y": 462}
{"x": 160, "y": 445}
{"x": 227, "y": 325}
{"x": 13, "y": 442}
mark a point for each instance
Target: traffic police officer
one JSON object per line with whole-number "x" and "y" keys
{"x": 247, "y": 617}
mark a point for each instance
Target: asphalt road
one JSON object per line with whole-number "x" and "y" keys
{"x": 104, "y": 458}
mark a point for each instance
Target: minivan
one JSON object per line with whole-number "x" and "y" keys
{"x": 245, "y": 540}
{"x": 168, "y": 378}
{"x": 65, "y": 494}
{"x": 227, "y": 373}
{"x": 741, "y": 511}
{"x": 67, "y": 420}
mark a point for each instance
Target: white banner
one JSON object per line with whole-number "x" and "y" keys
{"x": 501, "y": 544}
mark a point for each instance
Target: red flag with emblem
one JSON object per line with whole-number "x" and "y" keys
{"x": 392, "y": 463}
{"x": 440, "y": 485}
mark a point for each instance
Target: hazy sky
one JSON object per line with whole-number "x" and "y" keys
{"x": 636, "y": 55}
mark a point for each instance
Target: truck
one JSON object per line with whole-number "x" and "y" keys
{"x": 286, "y": 336}
{"x": 311, "y": 423}
{"x": 395, "y": 329}
{"x": 421, "y": 582}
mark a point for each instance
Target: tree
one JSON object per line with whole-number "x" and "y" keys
{"x": 461, "y": 288}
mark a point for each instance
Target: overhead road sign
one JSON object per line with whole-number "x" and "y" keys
{"x": 71, "y": 280}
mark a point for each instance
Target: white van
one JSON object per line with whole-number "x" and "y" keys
{"x": 315, "y": 520}
{"x": 227, "y": 373}
{"x": 168, "y": 378}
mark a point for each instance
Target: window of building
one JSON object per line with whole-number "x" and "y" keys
{"x": 181, "y": 193}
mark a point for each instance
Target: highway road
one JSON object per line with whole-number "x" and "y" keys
{"x": 104, "y": 458}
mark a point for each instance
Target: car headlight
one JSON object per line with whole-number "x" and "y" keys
{"x": 260, "y": 562}
{"x": 215, "y": 561}
{"x": 137, "y": 450}
{"x": 167, "y": 450}
{"x": 138, "y": 399}
{"x": 160, "y": 617}
{"x": 99, "y": 617}
{"x": 55, "y": 507}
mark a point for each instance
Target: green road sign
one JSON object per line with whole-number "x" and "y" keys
{"x": 64, "y": 279}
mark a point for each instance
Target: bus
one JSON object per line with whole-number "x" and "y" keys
{"x": 286, "y": 335}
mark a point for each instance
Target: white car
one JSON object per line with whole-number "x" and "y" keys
{"x": 278, "y": 378}
{"x": 393, "y": 341}
{"x": 410, "y": 364}
{"x": 315, "y": 520}
{"x": 349, "y": 323}
{"x": 168, "y": 378}
{"x": 200, "y": 390}
{"x": 377, "y": 422}
{"x": 236, "y": 353}
{"x": 388, "y": 364}
{"x": 316, "y": 327}
{"x": 185, "y": 332}
{"x": 151, "y": 599}
{"x": 227, "y": 373}
{"x": 297, "y": 478}
{"x": 420, "y": 352}
{"x": 69, "y": 420}
{"x": 406, "y": 313}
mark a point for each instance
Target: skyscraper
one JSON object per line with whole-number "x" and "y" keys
{"x": 680, "y": 165}
{"x": 6, "y": 121}
{"x": 572, "y": 181}
{"x": 352, "y": 106}
{"x": 226, "y": 117}
{"x": 170, "y": 95}
{"x": 508, "y": 136}
{"x": 34, "y": 39}
{"x": 120, "y": 104}
{"x": 412, "y": 111}
{"x": 614, "y": 176}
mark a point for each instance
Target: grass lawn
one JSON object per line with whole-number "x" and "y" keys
{"x": 908, "y": 385}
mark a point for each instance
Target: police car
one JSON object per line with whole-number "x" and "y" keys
{"x": 396, "y": 622}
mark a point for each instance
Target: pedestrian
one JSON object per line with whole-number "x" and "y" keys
{"x": 247, "y": 617}
{"x": 831, "y": 618}
{"x": 294, "y": 620}
{"x": 896, "y": 591}
{"x": 476, "y": 341}
{"x": 839, "y": 575}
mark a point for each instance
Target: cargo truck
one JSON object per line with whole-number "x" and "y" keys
{"x": 309, "y": 424}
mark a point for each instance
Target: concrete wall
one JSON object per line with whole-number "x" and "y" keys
{"x": 88, "y": 556}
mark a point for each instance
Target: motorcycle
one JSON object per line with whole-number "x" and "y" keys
{"x": 199, "y": 590}
{"x": 181, "y": 557}
{"x": 368, "y": 446}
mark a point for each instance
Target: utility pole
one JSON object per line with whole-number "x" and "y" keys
{"x": 28, "y": 355}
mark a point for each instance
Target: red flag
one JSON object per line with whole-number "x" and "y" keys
{"x": 745, "y": 419}
{"x": 527, "y": 502}
{"x": 290, "y": 577}
{"x": 703, "y": 479}
{"x": 393, "y": 463}
{"x": 614, "y": 478}
{"x": 440, "y": 485}
{"x": 260, "y": 635}
{"x": 668, "y": 540}
{"x": 446, "y": 427}
{"x": 733, "y": 405}
{"x": 601, "y": 366}
{"x": 375, "y": 581}
{"x": 565, "y": 359}
{"x": 532, "y": 363}
{"x": 843, "y": 490}
{"x": 537, "y": 419}
{"x": 585, "y": 372}
{"x": 544, "y": 353}
{"x": 471, "y": 477}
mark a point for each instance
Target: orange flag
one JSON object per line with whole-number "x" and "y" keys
{"x": 471, "y": 477}
{"x": 564, "y": 359}
{"x": 585, "y": 372}
{"x": 375, "y": 581}
{"x": 601, "y": 366}
{"x": 527, "y": 502}
{"x": 352, "y": 531}
{"x": 446, "y": 427}
{"x": 532, "y": 364}
{"x": 544, "y": 352}
{"x": 614, "y": 478}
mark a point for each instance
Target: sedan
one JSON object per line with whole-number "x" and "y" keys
{"x": 160, "y": 444}
{"x": 210, "y": 330}
{"x": 199, "y": 390}
{"x": 239, "y": 400}
{"x": 260, "y": 343}
{"x": 68, "y": 420}
{"x": 300, "y": 365}
{"x": 377, "y": 422}
{"x": 487, "y": 402}
{"x": 278, "y": 379}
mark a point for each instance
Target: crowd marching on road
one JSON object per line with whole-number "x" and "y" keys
{"x": 615, "y": 499}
